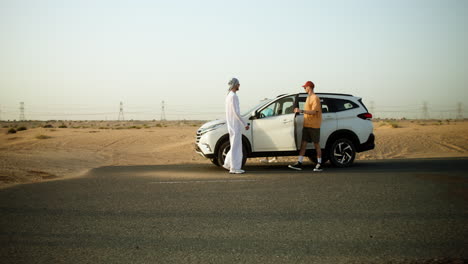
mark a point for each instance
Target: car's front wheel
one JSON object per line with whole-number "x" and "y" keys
{"x": 215, "y": 161}
{"x": 342, "y": 153}
{"x": 223, "y": 151}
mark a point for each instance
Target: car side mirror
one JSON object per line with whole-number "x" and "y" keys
{"x": 253, "y": 115}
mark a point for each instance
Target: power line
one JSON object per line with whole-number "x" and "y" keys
{"x": 136, "y": 112}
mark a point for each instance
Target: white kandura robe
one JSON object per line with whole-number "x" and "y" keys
{"x": 235, "y": 126}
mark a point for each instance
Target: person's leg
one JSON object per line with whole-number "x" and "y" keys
{"x": 303, "y": 148}
{"x": 318, "y": 167}
{"x": 228, "y": 159}
{"x": 318, "y": 150}
{"x": 236, "y": 151}
{"x": 302, "y": 151}
{"x": 316, "y": 139}
{"x": 300, "y": 159}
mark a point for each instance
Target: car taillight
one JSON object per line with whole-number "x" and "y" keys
{"x": 365, "y": 116}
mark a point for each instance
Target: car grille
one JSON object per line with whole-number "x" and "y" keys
{"x": 198, "y": 136}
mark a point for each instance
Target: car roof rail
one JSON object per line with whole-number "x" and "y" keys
{"x": 281, "y": 95}
{"x": 336, "y": 94}
{"x": 340, "y": 94}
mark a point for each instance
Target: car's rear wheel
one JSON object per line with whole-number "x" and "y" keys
{"x": 342, "y": 153}
{"x": 224, "y": 149}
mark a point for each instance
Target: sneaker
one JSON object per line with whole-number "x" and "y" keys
{"x": 296, "y": 166}
{"x": 318, "y": 167}
{"x": 237, "y": 171}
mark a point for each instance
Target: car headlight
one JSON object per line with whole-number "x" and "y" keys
{"x": 211, "y": 128}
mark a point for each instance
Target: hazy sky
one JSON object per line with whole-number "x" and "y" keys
{"x": 77, "y": 59}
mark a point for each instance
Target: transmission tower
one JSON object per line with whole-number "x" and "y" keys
{"x": 163, "y": 112}
{"x": 425, "y": 111}
{"x": 121, "y": 113}
{"x": 21, "y": 117}
{"x": 459, "y": 111}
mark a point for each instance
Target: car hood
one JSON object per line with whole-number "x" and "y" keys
{"x": 212, "y": 123}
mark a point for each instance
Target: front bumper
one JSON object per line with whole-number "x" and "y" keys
{"x": 368, "y": 145}
{"x": 204, "y": 150}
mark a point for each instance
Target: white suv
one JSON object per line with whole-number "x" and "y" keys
{"x": 277, "y": 131}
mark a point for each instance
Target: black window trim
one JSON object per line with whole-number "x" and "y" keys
{"x": 331, "y": 108}
{"x": 335, "y": 108}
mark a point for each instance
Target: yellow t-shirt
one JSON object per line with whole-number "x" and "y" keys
{"x": 313, "y": 104}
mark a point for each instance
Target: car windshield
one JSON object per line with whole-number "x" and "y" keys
{"x": 263, "y": 102}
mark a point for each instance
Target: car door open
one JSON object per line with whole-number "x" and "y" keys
{"x": 273, "y": 129}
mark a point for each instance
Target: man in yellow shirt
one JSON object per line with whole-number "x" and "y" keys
{"x": 311, "y": 131}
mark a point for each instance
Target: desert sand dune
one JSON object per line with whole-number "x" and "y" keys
{"x": 40, "y": 154}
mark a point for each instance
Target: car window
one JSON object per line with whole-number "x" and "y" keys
{"x": 285, "y": 106}
{"x": 343, "y": 105}
{"x": 269, "y": 111}
{"x": 263, "y": 102}
{"x": 282, "y": 106}
{"x": 323, "y": 101}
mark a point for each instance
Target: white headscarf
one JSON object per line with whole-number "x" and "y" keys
{"x": 233, "y": 82}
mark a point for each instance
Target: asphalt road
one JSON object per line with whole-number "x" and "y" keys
{"x": 375, "y": 212}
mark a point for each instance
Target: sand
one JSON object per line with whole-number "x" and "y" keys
{"x": 43, "y": 154}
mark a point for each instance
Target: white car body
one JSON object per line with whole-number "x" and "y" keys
{"x": 277, "y": 131}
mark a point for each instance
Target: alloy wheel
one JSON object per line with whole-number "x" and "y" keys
{"x": 343, "y": 153}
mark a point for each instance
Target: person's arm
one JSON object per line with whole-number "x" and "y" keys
{"x": 315, "y": 108}
{"x": 235, "y": 104}
{"x": 309, "y": 112}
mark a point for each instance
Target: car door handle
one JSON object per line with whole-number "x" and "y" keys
{"x": 286, "y": 121}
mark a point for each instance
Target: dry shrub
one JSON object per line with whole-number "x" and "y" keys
{"x": 42, "y": 137}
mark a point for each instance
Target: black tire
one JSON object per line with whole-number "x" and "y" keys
{"x": 215, "y": 161}
{"x": 224, "y": 149}
{"x": 342, "y": 153}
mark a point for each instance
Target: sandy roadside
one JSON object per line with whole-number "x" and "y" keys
{"x": 41, "y": 154}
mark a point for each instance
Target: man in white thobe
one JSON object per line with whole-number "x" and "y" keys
{"x": 235, "y": 124}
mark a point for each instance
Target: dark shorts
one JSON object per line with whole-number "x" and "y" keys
{"x": 311, "y": 134}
